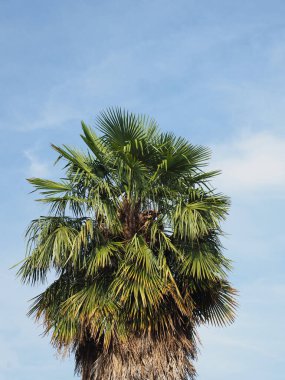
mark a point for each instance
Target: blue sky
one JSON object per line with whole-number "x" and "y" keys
{"x": 212, "y": 71}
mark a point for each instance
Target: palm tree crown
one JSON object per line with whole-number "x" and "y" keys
{"x": 133, "y": 236}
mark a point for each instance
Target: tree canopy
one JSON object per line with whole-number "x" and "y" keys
{"x": 133, "y": 238}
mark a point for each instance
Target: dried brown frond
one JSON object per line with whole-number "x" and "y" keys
{"x": 139, "y": 358}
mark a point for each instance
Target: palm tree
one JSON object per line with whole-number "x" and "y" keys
{"x": 133, "y": 238}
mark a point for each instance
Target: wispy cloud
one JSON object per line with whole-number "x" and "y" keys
{"x": 131, "y": 75}
{"x": 251, "y": 163}
{"x": 36, "y": 168}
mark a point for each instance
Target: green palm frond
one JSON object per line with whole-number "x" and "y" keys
{"x": 199, "y": 214}
{"x": 119, "y": 127}
{"x": 216, "y": 302}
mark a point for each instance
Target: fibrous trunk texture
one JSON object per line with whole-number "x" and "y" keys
{"x": 139, "y": 358}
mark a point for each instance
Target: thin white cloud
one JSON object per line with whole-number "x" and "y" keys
{"x": 119, "y": 78}
{"x": 37, "y": 168}
{"x": 251, "y": 163}
{"x": 94, "y": 87}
